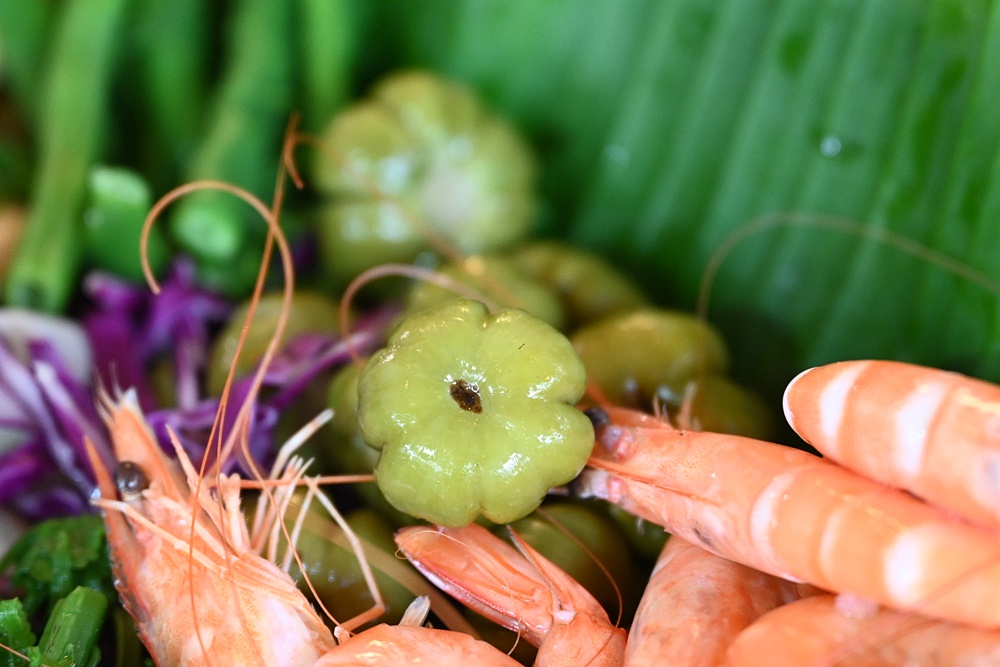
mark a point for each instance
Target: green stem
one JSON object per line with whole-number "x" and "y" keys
{"x": 242, "y": 145}
{"x": 26, "y": 28}
{"x": 70, "y": 130}
{"x": 327, "y": 29}
{"x": 70, "y": 636}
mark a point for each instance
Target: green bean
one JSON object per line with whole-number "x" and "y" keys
{"x": 241, "y": 145}
{"x": 25, "y": 28}
{"x": 119, "y": 200}
{"x": 172, "y": 71}
{"x": 326, "y": 51}
{"x": 70, "y": 133}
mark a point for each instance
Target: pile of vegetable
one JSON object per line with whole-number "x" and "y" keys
{"x": 651, "y": 150}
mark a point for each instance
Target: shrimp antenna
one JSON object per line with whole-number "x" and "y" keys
{"x": 242, "y": 418}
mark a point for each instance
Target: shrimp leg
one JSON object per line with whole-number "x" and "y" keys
{"x": 934, "y": 433}
{"x": 695, "y": 605}
{"x": 526, "y": 593}
{"x": 794, "y": 515}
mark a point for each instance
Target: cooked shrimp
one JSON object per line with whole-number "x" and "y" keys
{"x": 821, "y": 631}
{"x": 202, "y": 596}
{"x": 934, "y": 433}
{"x": 186, "y": 567}
{"x": 526, "y": 593}
{"x": 390, "y": 645}
{"x": 791, "y": 514}
{"x": 694, "y": 606}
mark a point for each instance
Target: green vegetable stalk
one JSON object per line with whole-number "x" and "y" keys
{"x": 119, "y": 201}
{"x": 242, "y": 145}
{"x": 70, "y": 132}
{"x": 327, "y": 34}
{"x": 174, "y": 46}
{"x": 70, "y": 635}
{"x": 62, "y": 570}
{"x": 15, "y": 632}
{"x": 473, "y": 413}
{"x": 26, "y": 28}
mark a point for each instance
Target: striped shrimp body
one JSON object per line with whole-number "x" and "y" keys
{"x": 388, "y": 645}
{"x": 824, "y": 631}
{"x": 934, "y": 433}
{"x": 526, "y": 593}
{"x": 199, "y": 596}
{"x": 695, "y": 605}
{"x": 793, "y": 515}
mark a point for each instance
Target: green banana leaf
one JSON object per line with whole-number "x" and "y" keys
{"x": 818, "y": 129}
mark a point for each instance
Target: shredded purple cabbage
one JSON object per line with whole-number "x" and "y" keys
{"x": 47, "y": 474}
{"x": 131, "y": 327}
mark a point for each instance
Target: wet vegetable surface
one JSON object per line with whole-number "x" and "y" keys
{"x": 473, "y": 413}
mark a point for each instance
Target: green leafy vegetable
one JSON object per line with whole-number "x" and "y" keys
{"x": 473, "y": 413}
{"x": 15, "y": 632}
{"x": 56, "y": 556}
{"x": 679, "y": 121}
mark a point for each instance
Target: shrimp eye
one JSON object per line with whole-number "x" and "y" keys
{"x": 130, "y": 479}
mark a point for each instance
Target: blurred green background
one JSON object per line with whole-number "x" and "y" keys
{"x": 665, "y": 125}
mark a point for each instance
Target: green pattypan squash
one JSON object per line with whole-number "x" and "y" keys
{"x": 420, "y": 156}
{"x": 473, "y": 413}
